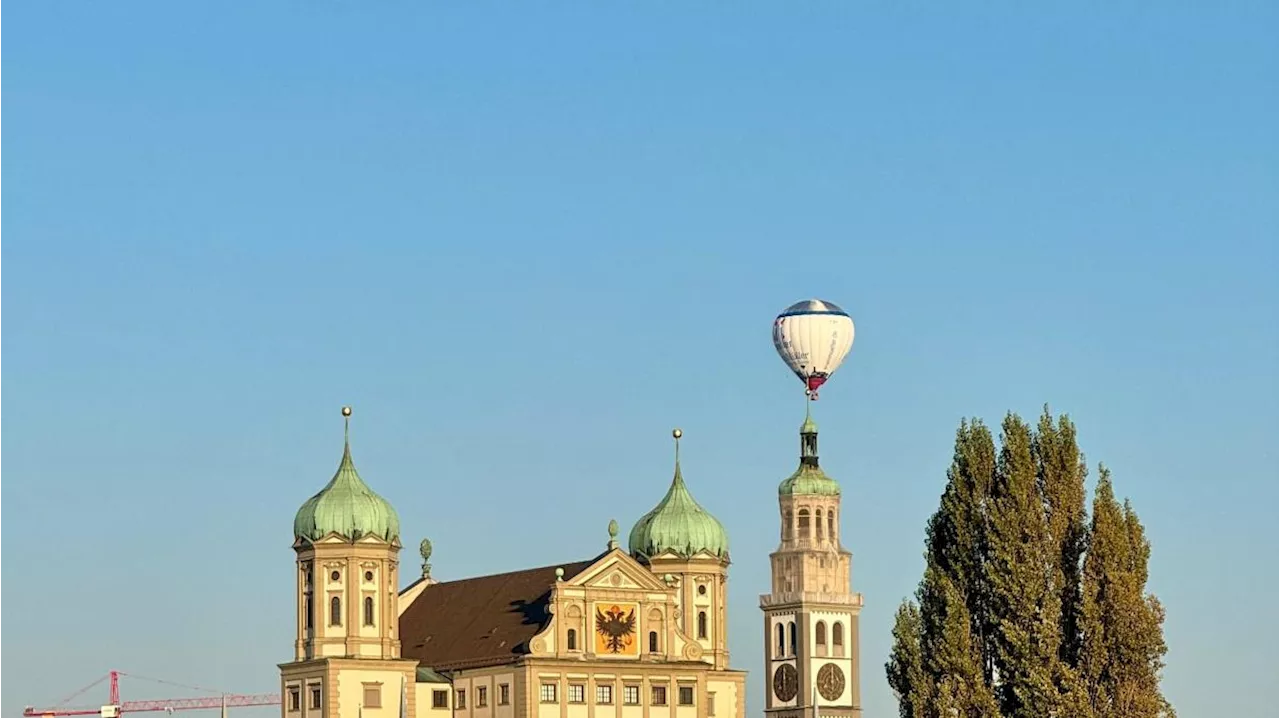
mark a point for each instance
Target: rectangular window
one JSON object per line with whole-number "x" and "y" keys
{"x": 504, "y": 694}
{"x": 315, "y": 697}
{"x": 460, "y": 701}
{"x": 686, "y": 695}
{"x": 631, "y": 695}
{"x": 482, "y": 696}
{"x": 577, "y": 693}
{"x": 659, "y": 697}
{"x": 439, "y": 699}
{"x": 295, "y": 698}
{"x": 604, "y": 694}
{"x": 373, "y": 695}
{"x": 547, "y": 693}
{"x": 711, "y": 704}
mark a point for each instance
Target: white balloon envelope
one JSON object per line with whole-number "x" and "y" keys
{"x": 813, "y": 337}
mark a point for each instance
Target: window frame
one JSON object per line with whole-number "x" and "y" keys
{"x": 364, "y": 698}
{"x": 504, "y": 694}
{"x": 703, "y": 629}
{"x": 460, "y": 699}
{"x": 604, "y": 694}
{"x": 576, "y": 693}
{"x": 439, "y": 698}
{"x": 681, "y": 693}
{"x": 658, "y": 695}
{"x": 294, "y": 699}
{"x": 545, "y": 689}
{"x": 631, "y": 694}
{"x": 482, "y": 696}
{"x": 315, "y": 697}
{"x": 571, "y": 640}
{"x": 335, "y": 611}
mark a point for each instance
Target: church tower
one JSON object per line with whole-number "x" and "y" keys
{"x": 346, "y": 541}
{"x": 811, "y": 614}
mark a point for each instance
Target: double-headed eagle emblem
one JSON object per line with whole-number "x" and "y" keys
{"x": 616, "y": 628}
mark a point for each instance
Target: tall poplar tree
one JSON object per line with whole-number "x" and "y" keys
{"x": 1019, "y": 565}
{"x": 1061, "y": 477}
{"x": 942, "y": 659}
{"x": 1122, "y": 647}
{"x": 1008, "y": 620}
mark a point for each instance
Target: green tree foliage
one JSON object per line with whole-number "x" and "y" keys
{"x": 1122, "y": 646}
{"x": 1061, "y": 476}
{"x": 1019, "y": 567}
{"x": 1026, "y": 610}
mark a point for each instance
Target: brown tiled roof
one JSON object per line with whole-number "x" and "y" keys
{"x": 481, "y": 621}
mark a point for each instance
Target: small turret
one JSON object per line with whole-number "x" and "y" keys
{"x": 809, "y": 479}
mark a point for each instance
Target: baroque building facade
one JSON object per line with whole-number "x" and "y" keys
{"x": 811, "y": 613}
{"x": 634, "y": 632}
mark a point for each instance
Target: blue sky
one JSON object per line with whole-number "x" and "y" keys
{"x": 526, "y": 242}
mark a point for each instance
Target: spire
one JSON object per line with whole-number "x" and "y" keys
{"x": 808, "y": 439}
{"x": 678, "y": 479}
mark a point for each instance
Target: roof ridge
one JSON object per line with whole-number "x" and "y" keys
{"x": 550, "y": 567}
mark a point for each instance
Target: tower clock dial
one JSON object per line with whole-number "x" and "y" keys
{"x": 786, "y": 682}
{"x": 830, "y": 682}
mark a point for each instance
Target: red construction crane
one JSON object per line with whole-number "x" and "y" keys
{"x": 114, "y": 707}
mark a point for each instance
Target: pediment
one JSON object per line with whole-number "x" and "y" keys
{"x": 617, "y": 570}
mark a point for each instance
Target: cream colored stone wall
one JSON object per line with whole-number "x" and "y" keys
{"x": 351, "y": 683}
{"x": 425, "y": 695}
{"x": 302, "y": 680}
{"x": 727, "y": 687}
{"x": 722, "y": 699}
{"x": 483, "y": 691}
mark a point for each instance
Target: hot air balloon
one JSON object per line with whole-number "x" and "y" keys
{"x": 813, "y": 337}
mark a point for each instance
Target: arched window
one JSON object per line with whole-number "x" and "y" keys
{"x": 792, "y": 630}
{"x": 311, "y": 614}
{"x": 702, "y": 624}
{"x": 782, "y": 641}
{"x": 335, "y": 611}
{"x": 368, "y": 610}
{"x": 804, "y": 523}
{"x": 837, "y": 634}
{"x": 820, "y": 634}
{"x": 653, "y": 641}
{"x": 571, "y": 640}
{"x": 831, "y": 525}
{"x": 817, "y": 523}
{"x": 787, "y": 522}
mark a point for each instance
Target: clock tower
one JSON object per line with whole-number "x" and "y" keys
{"x": 811, "y": 614}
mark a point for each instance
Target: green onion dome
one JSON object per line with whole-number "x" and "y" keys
{"x": 347, "y": 507}
{"x": 678, "y": 524}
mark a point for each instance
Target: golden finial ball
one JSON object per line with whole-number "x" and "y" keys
{"x": 676, "y": 433}
{"x": 346, "y": 411}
